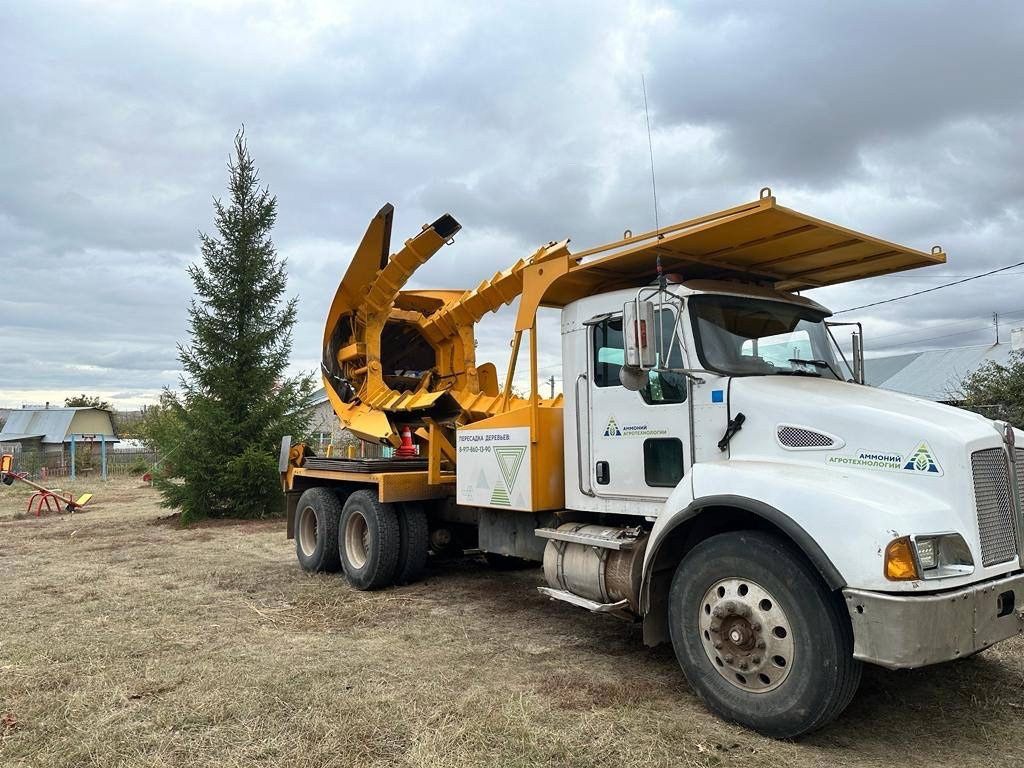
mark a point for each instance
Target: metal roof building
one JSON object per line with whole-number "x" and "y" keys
{"x": 54, "y": 426}
{"x": 936, "y": 374}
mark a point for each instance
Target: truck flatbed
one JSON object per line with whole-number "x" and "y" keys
{"x": 395, "y": 481}
{"x": 366, "y": 465}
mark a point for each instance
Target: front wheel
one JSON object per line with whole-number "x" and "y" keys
{"x": 759, "y": 636}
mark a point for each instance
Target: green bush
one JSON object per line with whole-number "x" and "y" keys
{"x": 996, "y": 391}
{"x": 138, "y": 466}
{"x": 83, "y": 457}
{"x": 31, "y": 462}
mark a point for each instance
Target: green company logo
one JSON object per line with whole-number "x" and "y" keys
{"x": 500, "y": 496}
{"x": 612, "y": 430}
{"x": 510, "y": 461}
{"x": 923, "y": 460}
{"x": 920, "y": 460}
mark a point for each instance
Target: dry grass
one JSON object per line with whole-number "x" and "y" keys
{"x": 124, "y": 643}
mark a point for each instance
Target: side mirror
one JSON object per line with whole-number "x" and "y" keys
{"x": 857, "y": 339}
{"x": 632, "y": 378}
{"x": 638, "y": 333}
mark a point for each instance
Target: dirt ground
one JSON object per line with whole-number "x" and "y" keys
{"x": 129, "y": 643}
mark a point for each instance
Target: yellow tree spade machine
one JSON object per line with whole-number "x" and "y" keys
{"x": 716, "y": 468}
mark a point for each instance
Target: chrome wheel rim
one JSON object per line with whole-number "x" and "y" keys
{"x": 357, "y": 539}
{"x": 746, "y": 635}
{"x": 307, "y": 531}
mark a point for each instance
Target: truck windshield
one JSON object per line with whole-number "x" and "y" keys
{"x": 749, "y": 337}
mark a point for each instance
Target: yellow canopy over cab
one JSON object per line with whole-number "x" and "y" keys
{"x": 394, "y": 356}
{"x": 760, "y": 241}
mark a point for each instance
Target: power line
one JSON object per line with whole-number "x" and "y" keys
{"x": 919, "y": 275}
{"x": 1002, "y": 313}
{"x": 906, "y": 342}
{"x": 932, "y": 338}
{"x": 929, "y": 290}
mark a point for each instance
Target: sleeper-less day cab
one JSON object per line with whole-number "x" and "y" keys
{"x": 715, "y": 469}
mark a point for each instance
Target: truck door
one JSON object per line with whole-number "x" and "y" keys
{"x": 639, "y": 440}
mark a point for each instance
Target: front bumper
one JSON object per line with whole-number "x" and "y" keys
{"x": 915, "y": 630}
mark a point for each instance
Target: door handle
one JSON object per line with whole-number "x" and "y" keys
{"x": 603, "y": 473}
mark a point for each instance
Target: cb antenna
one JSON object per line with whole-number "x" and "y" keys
{"x": 654, "y": 183}
{"x": 650, "y": 147}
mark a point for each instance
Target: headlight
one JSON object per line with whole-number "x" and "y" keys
{"x": 927, "y": 553}
{"x": 932, "y": 556}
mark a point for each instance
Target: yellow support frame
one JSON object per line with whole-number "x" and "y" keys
{"x": 759, "y": 241}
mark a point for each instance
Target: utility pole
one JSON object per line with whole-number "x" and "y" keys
{"x": 551, "y": 382}
{"x": 995, "y": 321}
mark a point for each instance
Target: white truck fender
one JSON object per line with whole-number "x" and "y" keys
{"x": 814, "y": 507}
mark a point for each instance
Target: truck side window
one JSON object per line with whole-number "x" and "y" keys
{"x": 609, "y": 355}
{"x": 609, "y": 352}
{"x": 663, "y": 461}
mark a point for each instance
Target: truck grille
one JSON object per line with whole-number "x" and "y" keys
{"x": 1018, "y": 456}
{"x": 995, "y": 505}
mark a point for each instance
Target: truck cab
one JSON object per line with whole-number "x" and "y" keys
{"x": 715, "y": 331}
{"x": 841, "y": 469}
{"x": 714, "y": 469}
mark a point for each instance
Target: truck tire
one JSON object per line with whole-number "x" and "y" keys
{"x": 368, "y": 541}
{"x": 316, "y": 530}
{"x": 413, "y": 545}
{"x": 759, "y": 636}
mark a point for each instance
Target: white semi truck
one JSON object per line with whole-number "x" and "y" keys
{"x": 716, "y": 470}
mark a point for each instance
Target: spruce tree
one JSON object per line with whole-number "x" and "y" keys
{"x": 222, "y": 430}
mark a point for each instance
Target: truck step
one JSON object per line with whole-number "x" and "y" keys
{"x": 611, "y": 538}
{"x": 582, "y": 602}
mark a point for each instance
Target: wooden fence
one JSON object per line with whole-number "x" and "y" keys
{"x": 41, "y": 465}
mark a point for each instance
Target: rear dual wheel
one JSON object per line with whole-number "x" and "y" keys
{"x": 375, "y": 544}
{"x": 316, "y": 530}
{"x": 380, "y": 545}
{"x": 413, "y": 544}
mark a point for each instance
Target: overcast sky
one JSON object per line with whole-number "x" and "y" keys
{"x": 904, "y": 120}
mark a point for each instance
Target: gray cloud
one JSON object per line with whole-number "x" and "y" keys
{"x": 524, "y": 121}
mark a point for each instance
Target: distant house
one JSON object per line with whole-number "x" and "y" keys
{"x": 326, "y": 429}
{"x": 324, "y": 426}
{"x": 936, "y": 374}
{"x": 48, "y": 430}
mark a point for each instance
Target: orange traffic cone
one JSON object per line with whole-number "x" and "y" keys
{"x": 406, "y": 449}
